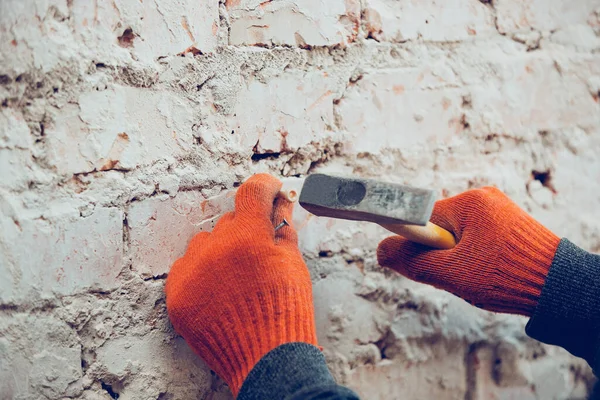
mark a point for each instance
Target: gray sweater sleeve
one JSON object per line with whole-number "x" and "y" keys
{"x": 568, "y": 312}
{"x": 293, "y": 371}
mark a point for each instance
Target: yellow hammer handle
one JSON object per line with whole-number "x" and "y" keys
{"x": 429, "y": 235}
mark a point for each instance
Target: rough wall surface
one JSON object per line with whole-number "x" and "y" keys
{"x": 126, "y": 125}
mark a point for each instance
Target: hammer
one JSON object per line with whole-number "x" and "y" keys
{"x": 401, "y": 209}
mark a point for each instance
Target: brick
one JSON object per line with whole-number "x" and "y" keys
{"x": 521, "y": 99}
{"x": 62, "y": 256}
{"x": 159, "y": 358}
{"x": 544, "y": 15}
{"x": 14, "y": 132}
{"x": 15, "y": 168}
{"x": 29, "y": 38}
{"x": 70, "y": 148}
{"x": 150, "y": 29}
{"x": 344, "y": 319}
{"x": 400, "y": 108}
{"x": 402, "y": 20}
{"x": 119, "y": 128}
{"x": 41, "y": 356}
{"x": 319, "y": 234}
{"x": 580, "y": 36}
{"x": 297, "y": 23}
{"x": 295, "y": 109}
{"x": 441, "y": 378}
{"x": 161, "y": 228}
{"x": 40, "y": 34}
{"x": 497, "y": 373}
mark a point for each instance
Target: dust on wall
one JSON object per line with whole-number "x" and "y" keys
{"x": 125, "y": 127}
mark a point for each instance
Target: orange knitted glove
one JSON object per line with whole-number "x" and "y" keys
{"x": 243, "y": 289}
{"x": 500, "y": 262}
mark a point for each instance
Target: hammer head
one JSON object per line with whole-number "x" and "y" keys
{"x": 366, "y": 200}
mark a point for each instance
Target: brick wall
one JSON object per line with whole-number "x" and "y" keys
{"x": 125, "y": 127}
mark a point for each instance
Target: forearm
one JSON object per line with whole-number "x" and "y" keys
{"x": 568, "y": 311}
{"x": 293, "y": 371}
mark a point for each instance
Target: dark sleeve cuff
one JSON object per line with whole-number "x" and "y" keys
{"x": 568, "y": 311}
{"x": 293, "y": 371}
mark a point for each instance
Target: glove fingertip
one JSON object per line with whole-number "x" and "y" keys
{"x": 445, "y": 214}
{"x": 408, "y": 258}
{"x": 256, "y": 196}
{"x": 389, "y": 251}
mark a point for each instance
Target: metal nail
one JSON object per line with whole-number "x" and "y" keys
{"x": 281, "y": 225}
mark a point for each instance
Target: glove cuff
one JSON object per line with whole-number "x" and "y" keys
{"x": 526, "y": 259}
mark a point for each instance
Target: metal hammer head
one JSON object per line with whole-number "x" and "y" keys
{"x": 366, "y": 200}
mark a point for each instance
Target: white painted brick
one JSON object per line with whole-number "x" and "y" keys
{"x": 544, "y": 15}
{"x": 121, "y": 128}
{"x": 294, "y": 23}
{"x": 70, "y": 147}
{"x": 43, "y": 258}
{"x": 37, "y": 38}
{"x": 524, "y": 98}
{"x": 30, "y": 38}
{"x": 158, "y": 357}
{"x": 316, "y": 234}
{"x": 581, "y": 36}
{"x": 15, "y": 154}
{"x": 355, "y": 322}
{"x": 441, "y": 378}
{"x": 14, "y": 132}
{"x": 41, "y": 356}
{"x": 401, "y": 108}
{"x": 294, "y": 110}
{"x": 15, "y": 168}
{"x": 498, "y": 375}
{"x": 161, "y": 228}
{"x": 159, "y": 28}
{"x": 451, "y": 20}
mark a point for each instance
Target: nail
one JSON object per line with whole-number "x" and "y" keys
{"x": 281, "y": 225}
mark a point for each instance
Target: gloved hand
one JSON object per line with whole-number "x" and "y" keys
{"x": 500, "y": 262}
{"x": 243, "y": 289}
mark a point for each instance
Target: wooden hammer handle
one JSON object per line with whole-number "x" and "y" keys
{"x": 429, "y": 235}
